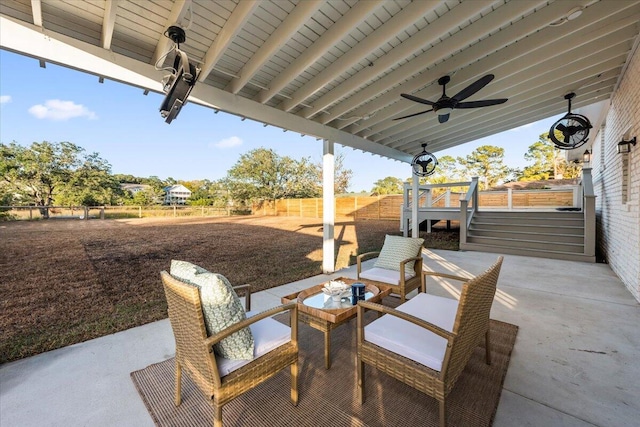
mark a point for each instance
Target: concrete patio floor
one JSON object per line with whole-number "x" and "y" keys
{"x": 575, "y": 361}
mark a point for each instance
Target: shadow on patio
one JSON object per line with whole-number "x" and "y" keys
{"x": 574, "y": 362}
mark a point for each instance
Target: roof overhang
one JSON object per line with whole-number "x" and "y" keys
{"x": 335, "y": 69}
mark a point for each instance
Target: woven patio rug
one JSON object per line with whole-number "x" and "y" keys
{"x": 328, "y": 398}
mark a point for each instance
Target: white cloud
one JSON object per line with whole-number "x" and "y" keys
{"x": 4, "y": 99}
{"x": 234, "y": 141}
{"x": 55, "y": 109}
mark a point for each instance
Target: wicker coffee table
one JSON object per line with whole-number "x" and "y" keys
{"x": 321, "y": 313}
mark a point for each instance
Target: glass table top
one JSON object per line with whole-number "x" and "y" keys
{"x": 323, "y": 301}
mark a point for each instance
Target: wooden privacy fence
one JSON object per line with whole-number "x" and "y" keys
{"x": 390, "y": 206}
{"x": 376, "y": 207}
{"x": 355, "y": 207}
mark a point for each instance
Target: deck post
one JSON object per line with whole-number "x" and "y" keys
{"x": 328, "y": 207}
{"x": 415, "y": 201}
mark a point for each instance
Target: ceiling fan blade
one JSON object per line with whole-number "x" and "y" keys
{"x": 473, "y": 87}
{"x": 416, "y": 99}
{"x": 484, "y": 103}
{"x": 443, "y": 118}
{"x": 411, "y": 115}
{"x": 561, "y": 127}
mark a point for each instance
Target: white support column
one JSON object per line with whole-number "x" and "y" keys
{"x": 328, "y": 210}
{"x": 415, "y": 194}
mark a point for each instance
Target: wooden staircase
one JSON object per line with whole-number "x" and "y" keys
{"x": 546, "y": 234}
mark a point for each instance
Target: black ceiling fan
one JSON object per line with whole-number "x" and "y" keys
{"x": 572, "y": 130}
{"x": 445, "y": 104}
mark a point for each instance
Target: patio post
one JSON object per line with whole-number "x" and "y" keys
{"x": 328, "y": 207}
{"x": 415, "y": 196}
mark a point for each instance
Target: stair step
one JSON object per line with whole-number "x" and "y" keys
{"x": 569, "y": 222}
{"x": 530, "y": 214}
{"x": 533, "y": 228}
{"x": 527, "y": 244}
{"x": 529, "y": 236}
{"x": 528, "y": 252}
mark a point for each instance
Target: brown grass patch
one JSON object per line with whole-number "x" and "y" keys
{"x": 67, "y": 281}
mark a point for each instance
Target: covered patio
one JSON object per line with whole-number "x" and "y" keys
{"x": 343, "y": 70}
{"x": 336, "y": 70}
{"x": 573, "y": 363}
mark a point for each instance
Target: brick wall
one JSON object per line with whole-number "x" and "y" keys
{"x": 618, "y": 224}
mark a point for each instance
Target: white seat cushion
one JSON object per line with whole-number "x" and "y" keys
{"x": 391, "y": 277}
{"x": 268, "y": 334}
{"x": 410, "y": 340}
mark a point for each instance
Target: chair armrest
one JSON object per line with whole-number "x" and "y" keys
{"x": 360, "y": 257}
{"x": 404, "y": 316}
{"x": 246, "y": 289}
{"x": 214, "y": 339}
{"x": 415, "y": 258}
{"x": 368, "y": 254}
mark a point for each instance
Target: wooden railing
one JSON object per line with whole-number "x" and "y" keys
{"x": 471, "y": 198}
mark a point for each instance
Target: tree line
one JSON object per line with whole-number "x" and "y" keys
{"x": 64, "y": 174}
{"x": 487, "y": 163}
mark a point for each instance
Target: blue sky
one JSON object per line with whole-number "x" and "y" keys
{"x": 125, "y": 128}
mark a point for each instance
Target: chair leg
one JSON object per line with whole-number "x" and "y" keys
{"x": 487, "y": 347}
{"x": 360, "y": 369}
{"x": 443, "y": 417}
{"x": 178, "y": 396}
{"x": 217, "y": 415}
{"x": 294, "y": 384}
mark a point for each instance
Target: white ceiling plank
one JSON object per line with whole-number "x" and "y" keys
{"x": 385, "y": 32}
{"x": 573, "y": 66}
{"x": 108, "y": 23}
{"x": 538, "y": 111}
{"x": 538, "y": 92}
{"x": 456, "y": 42}
{"x": 36, "y": 11}
{"x": 27, "y": 39}
{"x": 492, "y": 52}
{"x": 522, "y": 108}
{"x": 338, "y": 31}
{"x": 287, "y": 29}
{"x": 232, "y": 27}
{"x": 177, "y": 12}
{"x": 351, "y": 103}
{"x": 520, "y": 69}
{"x": 420, "y": 40}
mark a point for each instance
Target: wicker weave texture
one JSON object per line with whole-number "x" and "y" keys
{"x": 470, "y": 327}
{"x": 187, "y": 322}
{"x": 406, "y": 285}
{"x": 194, "y": 351}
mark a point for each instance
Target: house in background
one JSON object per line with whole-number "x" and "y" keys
{"x": 176, "y": 194}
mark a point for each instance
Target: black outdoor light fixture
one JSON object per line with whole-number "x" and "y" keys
{"x": 586, "y": 157}
{"x": 625, "y": 146}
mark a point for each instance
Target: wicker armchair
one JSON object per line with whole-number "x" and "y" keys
{"x": 423, "y": 319}
{"x": 401, "y": 282}
{"x": 194, "y": 353}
